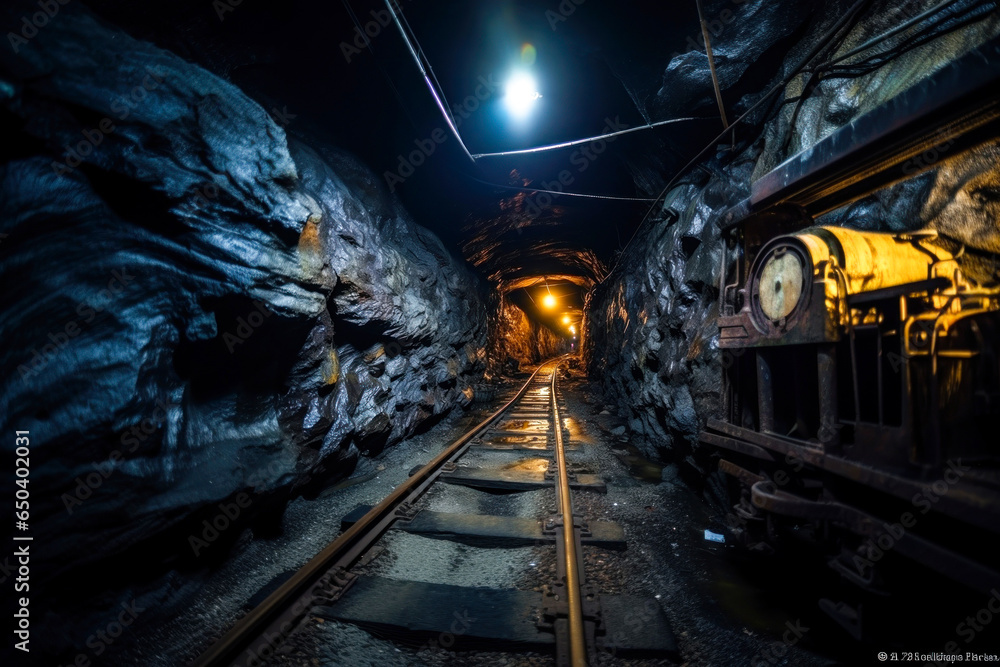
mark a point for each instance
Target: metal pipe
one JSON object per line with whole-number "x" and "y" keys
{"x": 711, "y": 65}
{"x": 826, "y": 370}
{"x": 577, "y": 634}
{"x": 766, "y": 96}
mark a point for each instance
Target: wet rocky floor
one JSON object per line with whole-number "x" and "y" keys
{"x": 719, "y": 616}
{"x": 714, "y": 613}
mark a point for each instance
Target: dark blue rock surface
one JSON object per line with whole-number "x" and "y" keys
{"x": 195, "y": 306}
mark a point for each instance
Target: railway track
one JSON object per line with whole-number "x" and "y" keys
{"x": 568, "y": 617}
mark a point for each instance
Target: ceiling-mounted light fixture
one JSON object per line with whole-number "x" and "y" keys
{"x": 520, "y": 94}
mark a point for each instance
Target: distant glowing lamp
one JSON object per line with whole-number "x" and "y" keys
{"x": 565, "y": 319}
{"x": 520, "y": 94}
{"x": 549, "y": 301}
{"x": 572, "y": 329}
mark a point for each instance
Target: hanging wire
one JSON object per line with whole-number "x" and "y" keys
{"x": 960, "y": 18}
{"x": 423, "y": 72}
{"x": 419, "y": 57}
{"x": 831, "y": 34}
{"x": 826, "y": 65}
{"x": 578, "y": 142}
{"x": 378, "y": 62}
{"x": 558, "y": 192}
{"x": 875, "y": 41}
{"x": 420, "y": 50}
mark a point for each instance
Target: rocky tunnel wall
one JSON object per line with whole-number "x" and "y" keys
{"x": 515, "y": 339}
{"x": 197, "y": 305}
{"x": 651, "y": 334}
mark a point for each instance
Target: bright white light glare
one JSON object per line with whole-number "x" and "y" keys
{"x": 521, "y": 93}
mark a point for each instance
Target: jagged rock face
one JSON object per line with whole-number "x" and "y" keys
{"x": 741, "y": 33}
{"x": 516, "y": 340}
{"x": 651, "y": 336}
{"x": 196, "y": 306}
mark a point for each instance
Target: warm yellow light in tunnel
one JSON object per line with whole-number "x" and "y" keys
{"x": 572, "y": 329}
{"x": 565, "y": 319}
{"x": 549, "y": 301}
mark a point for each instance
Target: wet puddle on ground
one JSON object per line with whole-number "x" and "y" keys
{"x": 738, "y": 590}
{"x": 639, "y": 466}
{"x": 527, "y": 465}
{"x": 753, "y": 592}
{"x": 539, "y": 425}
{"x": 526, "y": 440}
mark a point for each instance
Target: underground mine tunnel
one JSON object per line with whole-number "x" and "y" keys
{"x": 521, "y": 332}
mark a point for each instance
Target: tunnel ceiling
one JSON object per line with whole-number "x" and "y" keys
{"x": 598, "y": 64}
{"x": 600, "y": 67}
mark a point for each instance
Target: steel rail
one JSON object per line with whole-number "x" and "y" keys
{"x": 349, "y": 545}
{"x": 577, "y": 633}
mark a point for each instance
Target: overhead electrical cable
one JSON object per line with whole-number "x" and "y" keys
{"x": 830, "y": 34}
{"x": 579, "y": 142}
{"x": 423, "y": 72}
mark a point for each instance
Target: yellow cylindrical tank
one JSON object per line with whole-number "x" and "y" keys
{"x": 844, "y": 259}
{"x": 874, "y": 260}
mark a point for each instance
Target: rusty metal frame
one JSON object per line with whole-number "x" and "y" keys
{"x": 959, "y": 104}
{"x": 965, "y": 571}
{"x": 959, "y": 502}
